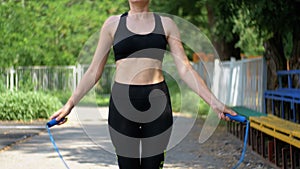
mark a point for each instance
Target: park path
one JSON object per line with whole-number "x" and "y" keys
{"x": 79, "y": 141}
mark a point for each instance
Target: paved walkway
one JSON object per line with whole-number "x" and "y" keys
{"x": 79, "y": 142}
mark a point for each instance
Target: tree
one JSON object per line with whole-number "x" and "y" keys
{"x": 50, "y": 32}
{"x": 222, "y": 21}
{"x": 280, "y": 21}
{"x": 243, "y": 24}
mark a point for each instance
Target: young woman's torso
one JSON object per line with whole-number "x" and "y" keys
{"x": 137, "y": 69}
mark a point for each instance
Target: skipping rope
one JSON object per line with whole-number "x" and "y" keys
{"x": 242, "y": 119}
{"x": 48, "y": 126}
{"x": 237, "y": 118}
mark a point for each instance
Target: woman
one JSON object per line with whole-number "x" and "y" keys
{"x": 140, "y": 114}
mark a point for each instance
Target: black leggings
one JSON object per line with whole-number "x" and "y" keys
{"x": 140, "y": 123}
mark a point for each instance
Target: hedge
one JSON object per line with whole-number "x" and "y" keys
{"x": 18, "y": 105}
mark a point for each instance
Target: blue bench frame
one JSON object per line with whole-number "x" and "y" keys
{"x": 287, "y": 73}
{"x": 285, "y": 94}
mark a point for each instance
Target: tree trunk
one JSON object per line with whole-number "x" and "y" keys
{"x": 274, "y": 56}
{"x": 295, "y": 58}
{"x": 275, "y": 59}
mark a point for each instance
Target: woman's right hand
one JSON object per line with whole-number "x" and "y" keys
{"x": 61, "y": 113}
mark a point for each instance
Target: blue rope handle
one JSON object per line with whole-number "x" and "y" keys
{"x": 48, "y": 125}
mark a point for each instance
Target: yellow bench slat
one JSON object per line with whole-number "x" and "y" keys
{"x": 281, "y": 129}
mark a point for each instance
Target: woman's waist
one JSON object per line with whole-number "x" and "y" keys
{"x": 139, "y": 91}
{"x": 139, "y": 77}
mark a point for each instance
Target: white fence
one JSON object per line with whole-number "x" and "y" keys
{"x": 47, "y": 78}
{"x": 41, "y": 78}
{"x": 234, "y": 82}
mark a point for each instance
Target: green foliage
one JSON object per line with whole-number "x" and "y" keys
{"x": 25, "y": 106}
{"x": 279, "y": 19}
{"x": 273, "y": 16}
{"x": 250, "y": 42}
{"x": 193, "y": 10}
{"x": 90, "y": 99}
{"x": 62, "y": 95}
{"x": 25, "y": 82}
{"x": 187, "y": 101}
{"x": 53, "y": 32}
{"x": 2, "y": 85}
{"x": 50, "y": 32}
{"x": 223, "y": 13}
{"x": 288, "y": 45}
{"x": 101, "y": 100}
{"x": 228, "y": 20}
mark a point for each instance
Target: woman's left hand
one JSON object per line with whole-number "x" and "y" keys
{"x": 222, "y": 109}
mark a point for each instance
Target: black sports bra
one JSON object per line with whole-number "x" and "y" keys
{"x": 130, "y": 45}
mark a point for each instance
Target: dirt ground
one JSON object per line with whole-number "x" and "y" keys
{"x": 222, "y": 150}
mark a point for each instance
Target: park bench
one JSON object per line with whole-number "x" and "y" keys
{"x": 238, "y": 129}
{"x": 274, "y": 138}
{"x": 285, "y": 94}
{"x": 280, "y": 140}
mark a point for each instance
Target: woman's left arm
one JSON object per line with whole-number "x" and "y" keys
{"x": 188, "y": 74}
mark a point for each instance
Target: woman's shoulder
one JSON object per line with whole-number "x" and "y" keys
{"x": 168, "y": 24}
{"x": 111, "y": 23}
{"x": 112, "y": 20}
{"x": 167, "y": 20}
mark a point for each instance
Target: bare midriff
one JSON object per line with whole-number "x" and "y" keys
{"x": 139, "y": 71}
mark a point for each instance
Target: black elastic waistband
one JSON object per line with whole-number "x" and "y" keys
{"x": 140, "y": 85}
{"x": 139, "y": 91}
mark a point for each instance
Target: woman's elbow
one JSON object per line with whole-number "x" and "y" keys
{"x": 183, "y": 71}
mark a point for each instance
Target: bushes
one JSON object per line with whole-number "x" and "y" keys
{"x": 25, "y": 106}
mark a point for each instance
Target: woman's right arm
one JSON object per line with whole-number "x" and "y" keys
{"x": 93, "y": 73}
